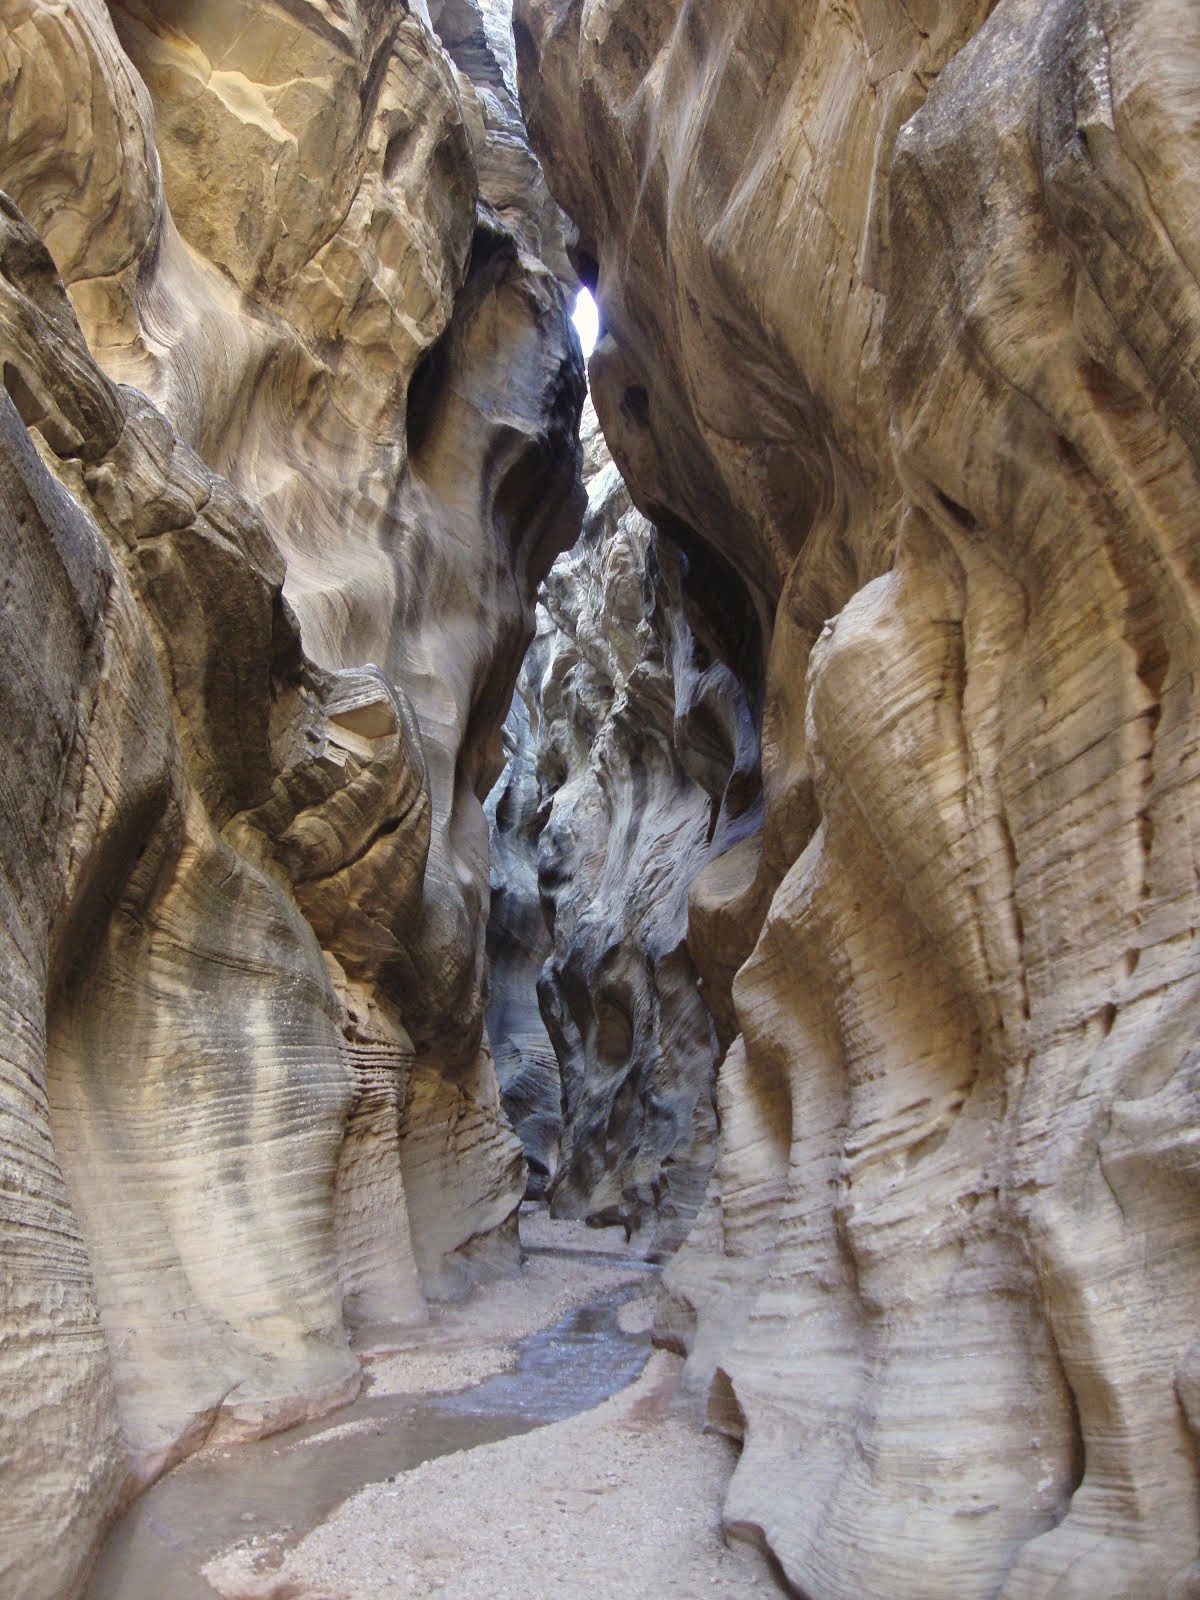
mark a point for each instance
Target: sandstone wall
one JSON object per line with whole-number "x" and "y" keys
{"x": 283, "y": 464}
{"x": 645, "y": 746}
{"x": 518, "y": 941}
{"x": 902, "y": 316}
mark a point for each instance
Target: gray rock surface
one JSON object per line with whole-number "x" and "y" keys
{"x": 518, "y": 940}
{"x": 646, "y": 747}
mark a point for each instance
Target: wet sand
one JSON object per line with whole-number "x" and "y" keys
{"x": 481, "y": 1495}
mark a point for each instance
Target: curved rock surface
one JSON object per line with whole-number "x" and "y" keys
{"x": 901, "y": 316}
{"x": 518, "y": 942}
{"x": 646, "y": 749}
{"x": 310, "y": 379}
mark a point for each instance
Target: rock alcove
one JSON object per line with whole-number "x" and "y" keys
{"x": 843, "y": 879}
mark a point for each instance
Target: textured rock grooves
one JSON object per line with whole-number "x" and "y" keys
{"x": 634, "y": 765}
{"x": 290, "y": 434}
{"x": 900, "y": 315}
{"x": 857, "y": 745}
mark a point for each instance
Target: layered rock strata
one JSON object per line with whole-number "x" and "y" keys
{"x": 901, "y": 316}
{"x": 646, "y": 751}
{"x": 289, "y": 438}
{"x": 518, "y": 941}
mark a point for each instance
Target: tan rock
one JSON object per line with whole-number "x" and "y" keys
{"x": 248, "y": 1094}
{"x": 884, "y": 275}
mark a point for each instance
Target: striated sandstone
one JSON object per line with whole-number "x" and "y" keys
{"x": 647, "y": 752}
{"x": 518, "y": 941}
{"x": 283, "y": 466}
{"x": 901, "y": 314}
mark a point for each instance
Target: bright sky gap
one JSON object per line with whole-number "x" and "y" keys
{"x": 587, "y": 321}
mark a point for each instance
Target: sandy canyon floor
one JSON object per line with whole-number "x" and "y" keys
{"x": 617, "y": 1502}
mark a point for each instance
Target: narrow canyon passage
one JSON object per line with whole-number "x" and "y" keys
{"x": 285, "y": 1516}
{"x": 599, "y": 961}
{"x": 299, "y": 1512}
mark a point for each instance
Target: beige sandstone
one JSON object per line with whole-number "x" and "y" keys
{"x": 282, "y": 475}
{"x": 898, "y": 367}
{"x": 901, "y": 313}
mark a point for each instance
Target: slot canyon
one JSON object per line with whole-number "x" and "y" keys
{"x": 596, "y": 955}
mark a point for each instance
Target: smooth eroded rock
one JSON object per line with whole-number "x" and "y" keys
{"x": 294, "y": 448}
{"x": 901, "y": 316}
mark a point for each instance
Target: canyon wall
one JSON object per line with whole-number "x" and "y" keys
{"x": 518, "y": 941}
{"x": 289, "y": 424}
{"x": 644, "y": 744}
{"x": 901, "y": 319}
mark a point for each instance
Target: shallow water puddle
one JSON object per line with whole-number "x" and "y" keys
{"x": 277, "y": 1489}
